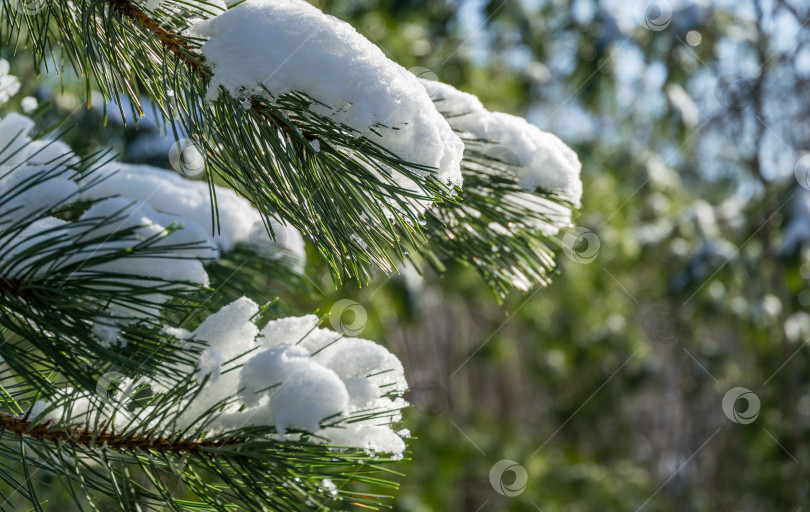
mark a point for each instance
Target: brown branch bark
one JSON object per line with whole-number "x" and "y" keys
{"x": 171, "y": 42}
{"x": 87, "y": 438}
{"x": 188, "y": 55}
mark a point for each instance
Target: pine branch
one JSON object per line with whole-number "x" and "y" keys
{"x": 109, "y": 440}
{"x": 184, "y": 52}
{"x": 181, "y": 49}
{"x": 55, "y": 287}
{"x": 129, "y": 452}
{"x": 504, "y": 230}
{"x": 509, "y": 244}
{"x": 342, "y": 195}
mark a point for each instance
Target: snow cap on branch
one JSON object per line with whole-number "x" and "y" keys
{"x": 297, "y": 377}
{"x": 170, "y": 193}
{"x": 132, "y": 206}
{"x": 543, "y": 160}
{"x": 285, "y": 46}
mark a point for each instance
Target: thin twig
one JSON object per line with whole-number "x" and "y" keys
{"x": 171, "y": 42}
{"x": 189, "y": 56}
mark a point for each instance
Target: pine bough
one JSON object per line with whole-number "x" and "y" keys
{"x": 134, "y": 361}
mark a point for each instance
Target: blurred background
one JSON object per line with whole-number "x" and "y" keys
{"x": 667, "y": 367}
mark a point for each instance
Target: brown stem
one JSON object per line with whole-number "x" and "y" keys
{"x": 90, "y": 439}
{"x": 187, "y": 54}
{"x": 171, "y": 42}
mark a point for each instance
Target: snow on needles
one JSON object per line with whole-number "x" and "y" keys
{"x": 169, "y": 192}
{"x": 291, "y": 376}
{"x": 283, "y": 46}
{"x": 543, "y": 160}
{"x": 159, "y": 208}
{"x": 298, "y": 378}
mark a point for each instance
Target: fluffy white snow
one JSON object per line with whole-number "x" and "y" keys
{"x": 27, "y": 191}
{"x": 29, "y": 104}
{"x": 298, "y": 377}
{"x": 169, "y": 192}
{"x": 177, "y": 265}
{"x": 230, "y": 330}
{"x": 9, "y": 85}
{"x": 543, "y": 160}
{"x": 17, "y": 148}
{"x": 282, "y": 46}
{"x": 175, "y": 213}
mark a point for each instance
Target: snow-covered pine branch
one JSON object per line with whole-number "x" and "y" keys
{"x": 110, "y": 246}
{"x": 304, "y": 402}
{"x": 109, "y": 268}
{"x": 290, "y": 377}
{"x": 303, "y": 115}
{"x": 521, "y": 187}
{"x": 95, "y": 260}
